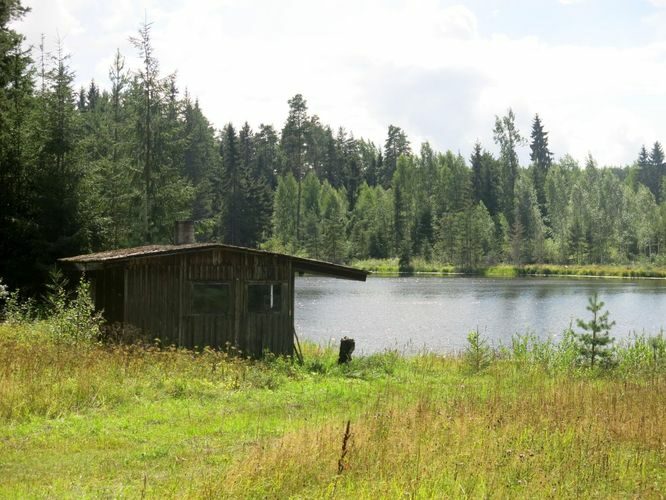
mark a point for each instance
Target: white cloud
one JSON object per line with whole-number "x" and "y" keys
{"x": 365, "y": 64}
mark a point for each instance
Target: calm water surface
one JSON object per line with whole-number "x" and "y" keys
{"x": 436, "y": 313}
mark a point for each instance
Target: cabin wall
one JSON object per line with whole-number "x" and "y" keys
{"x": 158, "y": 294}
{"x": 108, "y": 292}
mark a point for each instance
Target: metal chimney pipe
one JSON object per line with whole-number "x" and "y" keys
{"x": 184, "y": 232}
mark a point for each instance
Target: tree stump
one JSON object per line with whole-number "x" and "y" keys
{"x": 347, "y": 346}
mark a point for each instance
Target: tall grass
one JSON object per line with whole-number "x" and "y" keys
{"x": 79, "y": 417}
{"x": 391, "y": 266}
{"x": 567, "y": 438}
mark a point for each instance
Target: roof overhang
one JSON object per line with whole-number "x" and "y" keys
{"x": 327, "y": 269}
{"x": 102, "y": 260}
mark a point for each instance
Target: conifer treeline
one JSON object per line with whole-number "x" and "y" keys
{"x": 115, "y": 165}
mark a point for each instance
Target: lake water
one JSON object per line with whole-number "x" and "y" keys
{"x": 413, "y": 314}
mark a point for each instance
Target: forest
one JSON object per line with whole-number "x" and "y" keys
{"x": 114, "y": 164}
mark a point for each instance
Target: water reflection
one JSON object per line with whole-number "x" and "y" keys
{"x": 437, "y": 312}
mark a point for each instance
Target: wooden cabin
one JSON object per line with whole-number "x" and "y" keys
{"x": 203, "y": 294}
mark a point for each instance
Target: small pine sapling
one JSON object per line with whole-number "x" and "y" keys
{"x": 594, "y": 342}
{"x": 477, "y": 354}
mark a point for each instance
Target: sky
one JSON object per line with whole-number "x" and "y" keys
{"x": 594, "y": 70}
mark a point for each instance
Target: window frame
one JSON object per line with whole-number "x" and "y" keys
{"x": 223, "y": 313}
{"x": 282, "y": 286}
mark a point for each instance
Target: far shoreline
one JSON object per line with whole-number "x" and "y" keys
{"x": 390, "y": 268}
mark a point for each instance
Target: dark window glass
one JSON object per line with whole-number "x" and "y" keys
{"x": 211, "y": 298}
{"x": 264, "y": 297}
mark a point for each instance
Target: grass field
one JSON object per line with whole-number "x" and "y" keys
{"x": 79, "y": 419}
{"x": 390, "y": 267}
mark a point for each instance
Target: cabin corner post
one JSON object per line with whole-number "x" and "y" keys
{"x": 292, "y": 304}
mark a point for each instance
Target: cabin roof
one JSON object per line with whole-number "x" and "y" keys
{"x": 94, "y": 261}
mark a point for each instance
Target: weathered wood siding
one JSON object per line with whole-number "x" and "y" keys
{"x": 109, "y": 293}
{"x": 157, "y": 299}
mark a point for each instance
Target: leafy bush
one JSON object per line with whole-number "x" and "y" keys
{"x": 16, "y": 310}
{"x": 71, "y": 319}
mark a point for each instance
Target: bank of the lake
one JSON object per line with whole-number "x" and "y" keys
{"x": 421, "y": 266}
{"x": 89, "y": 420}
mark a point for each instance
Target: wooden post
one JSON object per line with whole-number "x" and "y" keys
{"x": 347, "y": 346}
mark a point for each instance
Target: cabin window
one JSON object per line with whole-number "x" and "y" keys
{"x": 264, "y": 297}
{"x": 211, "y": 298}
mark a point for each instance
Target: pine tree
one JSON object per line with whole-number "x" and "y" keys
{"x": 595, "y": 341}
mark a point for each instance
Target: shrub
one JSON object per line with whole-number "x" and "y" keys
{"x": 71, "y": 319}
{"x": 15, "y": 310}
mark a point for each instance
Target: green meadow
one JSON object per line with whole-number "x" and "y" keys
{"x": 83, "y": 419}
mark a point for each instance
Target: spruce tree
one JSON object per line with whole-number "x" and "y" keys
{"x": 657, "y": 170}
{"x": 256, "y": 192}
{"x": 478, "y": 180}
{"x": 295, "y": 148}
{"x": 541, "y": 159}
{"x": 231, "y": 193}
{"x": 269, "y": 157}
{"x": 200, "y": 160}
{"x": 148, "y": 90}
{"x": 57, "y": 179}
{"x": 370, "y": 161}
{"x": 395, "y": 146}
{"x": 114, "y": 175}
{"x": 643, "y": 157}
{"x": 284, "y": 214}
{"x": 527, "y": 213}
{"x": 17, "y": 226}
{"x": 333, "y": 225}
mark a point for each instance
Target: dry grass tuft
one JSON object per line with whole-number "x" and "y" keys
{"x": 575, "y": 437}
